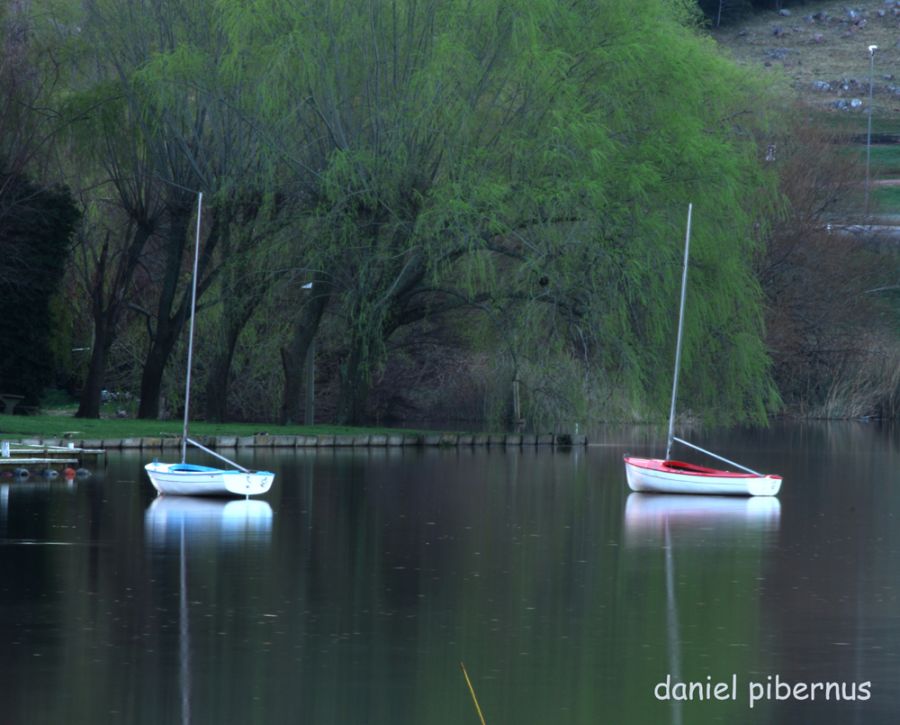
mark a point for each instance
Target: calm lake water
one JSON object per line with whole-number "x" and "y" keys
{"x": 353, "y": 592}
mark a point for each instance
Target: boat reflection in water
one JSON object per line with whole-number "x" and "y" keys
{"x": 697, "y": 531}
{"x": 183, "y": 523}
{"x": 647, "y": 515}
{"x": 210, "y": 520}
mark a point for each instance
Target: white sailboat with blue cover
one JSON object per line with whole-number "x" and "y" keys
{"x": 189, "y": 479}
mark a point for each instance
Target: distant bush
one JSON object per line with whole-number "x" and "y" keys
{"x": 831, "y": 326}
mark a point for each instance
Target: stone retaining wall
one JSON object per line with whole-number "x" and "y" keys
{"x": 440, "y": 440}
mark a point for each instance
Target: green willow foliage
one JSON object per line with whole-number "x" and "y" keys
{"x": 524, "y": 161}
{"x": 535, "y": 160}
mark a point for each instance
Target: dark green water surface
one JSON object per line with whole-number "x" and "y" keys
{"x": 352, "y": 592}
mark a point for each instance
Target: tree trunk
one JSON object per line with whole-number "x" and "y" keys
{"x": 217, "y": 381}
{"x": 356, "y": 378}
{"x": 151, "y": 379}
{"x": 294, "y": 356}
{"x": 355, "y": 382}
{"x": 241, "y": 293}
{"x": 89, "y": 402}
{"x": 169, "y": 323}
{"x": 167, "y": 327}
{"x": 106, "y": 309}
{"x": 356, "y": 372}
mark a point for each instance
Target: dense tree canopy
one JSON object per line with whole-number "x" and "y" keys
{"x": 36, "y": 219}
{"x": 514, "y": 175}
{"x": 443, "y": 153}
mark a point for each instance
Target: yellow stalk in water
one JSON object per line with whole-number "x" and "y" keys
{"x": 472, "y": 691}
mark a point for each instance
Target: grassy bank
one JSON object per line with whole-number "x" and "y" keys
{"x": 55, "y": 426}
{"x": 887, "y": 199}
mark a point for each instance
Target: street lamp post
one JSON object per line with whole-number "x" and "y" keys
{"x": 872, "y": 49}
{"x": 309, "y": 410}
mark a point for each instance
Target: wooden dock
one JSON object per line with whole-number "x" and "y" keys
{"x": 17, "y": 457}
{"x": 31, "y": 463}
{"x": 54, "y": 452}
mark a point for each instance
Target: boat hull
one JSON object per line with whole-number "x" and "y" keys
{"x": 653, "y": 475}
{"x": 180, "y": 479}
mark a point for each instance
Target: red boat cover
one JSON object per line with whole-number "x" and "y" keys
{"x": 657, "y": 464}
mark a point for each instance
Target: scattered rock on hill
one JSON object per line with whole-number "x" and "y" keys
{"x": 825, "y": 53}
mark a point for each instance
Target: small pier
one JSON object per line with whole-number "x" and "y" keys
{"x": 19, "y": 457}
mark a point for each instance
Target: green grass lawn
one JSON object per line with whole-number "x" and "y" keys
{"x": 887, "y": 199}
{"x": 857, "y": 124}
{"x": 56, "y": 426}
{"x": 885, "y": 160}
{"x": 884, "y": 166}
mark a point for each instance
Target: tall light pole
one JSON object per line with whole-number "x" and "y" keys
{"x": 309, "y": 409}
{"x": 872, "y": 49}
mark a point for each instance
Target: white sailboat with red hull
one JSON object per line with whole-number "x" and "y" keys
{"x": 664, "y": 475}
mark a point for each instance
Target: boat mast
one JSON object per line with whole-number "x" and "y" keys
{"x": 687, "y": 247}
{"x": 187, "y": 383}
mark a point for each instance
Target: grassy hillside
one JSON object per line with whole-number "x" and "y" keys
{"x": 820, "y": 52}
{"x": 832, "y": 327}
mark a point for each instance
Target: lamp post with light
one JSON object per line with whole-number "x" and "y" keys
{"x": 872, "y": 49}
{"x": 309, "y": 410}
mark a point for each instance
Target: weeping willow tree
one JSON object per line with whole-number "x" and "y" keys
{"x": 532, "y": 161}
{"x": 154, "y": 124}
